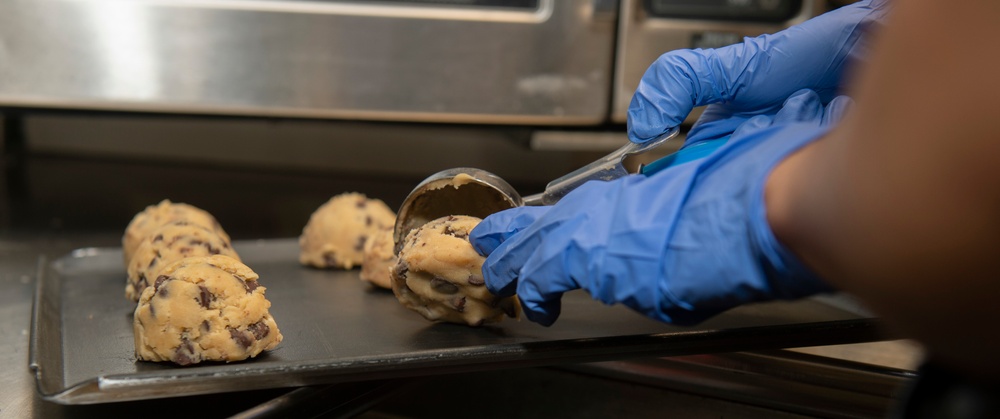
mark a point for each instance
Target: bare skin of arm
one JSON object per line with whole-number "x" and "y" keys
{"x": 900, "y": 204}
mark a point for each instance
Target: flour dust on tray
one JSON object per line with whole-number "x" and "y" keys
{"x": 200, "y": 309}
{"x": 439, "y": 275}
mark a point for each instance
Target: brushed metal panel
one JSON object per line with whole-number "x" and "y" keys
{"x": 372, "y": 61}
{"x": 642, "y": 39}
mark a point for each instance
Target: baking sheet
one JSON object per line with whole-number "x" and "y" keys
{"x": 339, "y": 329}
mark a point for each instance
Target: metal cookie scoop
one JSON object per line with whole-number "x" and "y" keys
{"x": 476, "y": 192}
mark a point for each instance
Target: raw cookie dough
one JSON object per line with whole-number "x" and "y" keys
{"x": 155, "y": 216}
{"x": 167, "y": 244}
{"x": 335, "y": 235}
{"x": 378, "y": 259}
{"x": 204, "y": 309}
{"x": 439, "y": 275}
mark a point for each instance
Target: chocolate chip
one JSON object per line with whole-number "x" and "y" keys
{"x": 159, "y": 237}
{"x": 476, "y": 280}
{"x": 361, "y": 203}
{"x": 163, "y": 292}
{"x": 196, "y": 242}
{"x": 184, "y": 354}
{"x": 330, "y": 258}
{"x": 205, "y": 297}
{"x": 212, "y": 250}
{"x": 240, "y": 337}
{"x": 459, "y": 304}
{"x": 205, "y": 325}
{"x": 359, "y": 245}
{"x": 259, "y": 330}
{"x": 368, "y": 220}
{"x": 250, "y": 286}
{"x": 456, "y": 233}
{"x": 142, "y": 281}
{"x": 443, "y": 286}
{"x": 151, "y": 263}
{"x": 400, "y": 270}
{"x": 184, "y": 250}
{"x": 160, "y": 280}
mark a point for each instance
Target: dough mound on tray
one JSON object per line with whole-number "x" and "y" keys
{"x": 155, "y": 216}
{"x": 336, "y": 232}
{"x": 439, "y": 275}
{"x": 168, "y": 244}
{"x": 204, "y": 309}
{"x": 378, "y": 259}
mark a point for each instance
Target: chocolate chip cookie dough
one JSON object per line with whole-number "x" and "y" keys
{"x": 378, "y": 259}
{"x": 204, "y": 309}
{"x": 167, "y": 244}
{"x": 336, "y": 232}
{"x": 439, "y": 275}
{"x": 154, "y": 216}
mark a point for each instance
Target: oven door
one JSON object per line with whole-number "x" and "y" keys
{"x": 476, "y": 61}
{"x": 650, "y": 28}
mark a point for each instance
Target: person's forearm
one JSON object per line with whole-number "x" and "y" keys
{"x": 900, "y": 204}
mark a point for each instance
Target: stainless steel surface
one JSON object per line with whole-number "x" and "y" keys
{"x": 642, "y": 39}
{"x": 456, "y": 191}
{"x": 338, "y": 330}
{"x": 798, "y": 383}
{"x": 351, "y": 60}
{"x": 606, "y": 168}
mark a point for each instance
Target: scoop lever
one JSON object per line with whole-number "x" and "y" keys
{"x": 606, "y": 168}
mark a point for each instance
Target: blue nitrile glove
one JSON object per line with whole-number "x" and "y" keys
{"x": 751, "y": 77}
{"x": 680, "y": 245}
{"x": 709, "y": 135}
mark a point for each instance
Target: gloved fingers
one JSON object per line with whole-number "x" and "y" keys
{"x": 539, "y": 308}
{"x": 545, "y": 274}
{"x": 836, "y": 109}
{"x": 663, "y": 98}
{"x": 498, "y": 227}
{"x": 753, "y": 124}
{"x": 757, "y": 73}
{"x": 801, "y": 106}
{"x": 503, "y": 266}
{"x": 715, "y": 123}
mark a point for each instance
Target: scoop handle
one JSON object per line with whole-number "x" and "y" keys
{"x": 606, "y": 168}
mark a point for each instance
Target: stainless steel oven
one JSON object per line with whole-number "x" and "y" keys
{"x": 649, "y": 28}
{"x": 522, "y": 62}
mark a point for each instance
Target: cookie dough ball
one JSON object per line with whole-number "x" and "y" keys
{"x": 378, "y": 259}
{"x": 335, "y": 235}
{"x": 204, "y": 309}
{"x": 439, "y": 275}
{"x": 167, "y": 244}
{"x": 154, "y": 216}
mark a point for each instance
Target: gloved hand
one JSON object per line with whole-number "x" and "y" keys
{"x": 753, "y": 77}
{"x": 681, "y": 245}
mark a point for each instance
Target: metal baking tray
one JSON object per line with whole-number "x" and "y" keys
{"x": 339, "y": 329}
